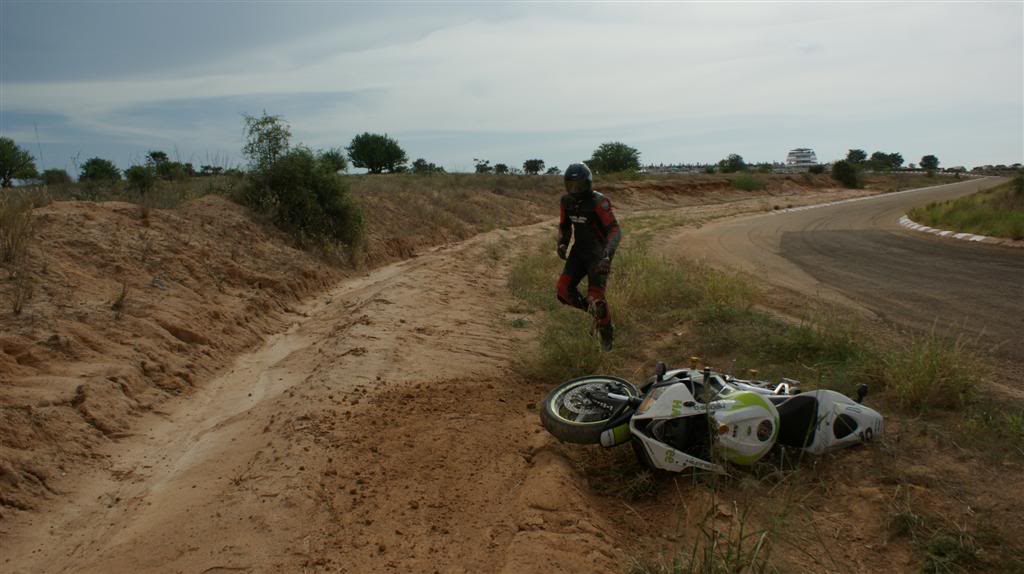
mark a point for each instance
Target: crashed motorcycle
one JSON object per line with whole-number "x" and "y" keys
{"x": 680, "y": 416}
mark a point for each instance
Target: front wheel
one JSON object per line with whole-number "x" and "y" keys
{"x": 578, "y": 410}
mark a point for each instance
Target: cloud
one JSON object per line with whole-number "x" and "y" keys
{"x": 649, "y": 72}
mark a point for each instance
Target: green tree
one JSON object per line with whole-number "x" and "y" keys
{"x": 170, "y": 171}
{"x": 846, "y": 173}
{"x": 895, "y": 160}
{"x": 500, "y": 168}
{"x": 856, "y": 156}
{"x": 533, "y": 166}
{"x": 732, "y": 164}
{"x": 482, "y": 165}
{"x": 553, "y": 170}
{"x": 422, "y": 167}
{"x": 930, "y": 162}
{"x": 98, "y": 169}
{"x": 377, "y": 153}
{"x": 15, "y": 163}
{"x": 613, "y": 157}
{"x": 56, "y": 177}
{"x": 155, "y": 158}
{"x": 334, "y": 159}
{"x": 266, "y": 139}
{"x": 141, "y": 178}
{"x": 310, "y": 200}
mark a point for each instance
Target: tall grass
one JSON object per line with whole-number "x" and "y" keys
{"x": 997, "y": 212}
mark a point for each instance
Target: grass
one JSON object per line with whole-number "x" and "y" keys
{"x": 671, "y": 309}
{"x": 998, "y": 212}
{"x": 747, "y": 182}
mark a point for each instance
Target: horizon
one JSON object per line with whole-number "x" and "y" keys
{"x": 682, "y": 83}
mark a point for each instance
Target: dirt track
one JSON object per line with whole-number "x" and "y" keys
{"x": 383, "y": 431}
{"x": 856, "y": 253}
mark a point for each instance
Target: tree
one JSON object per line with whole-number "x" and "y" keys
{"x": 98, "y": 169}
{"x": 266, "y": 139}
{"x": 930, "y": 162}
{"x": 856, "y": 156}
{"x": 612, "y": 157}
{"x": 500, "y": 168}
{"x": 56, "y": 177}
{"x": 533, "y": 166}
{"x": 553, "y": 170}
{"x": 310, "y": 200}
{"x": 482, "y": 165}
{"x": 732, "y": 164}
{"x": 15, "y": 163}
{"x": 422, "y": 167}
{"x": 155, "y": 158}
{"x": 334, "y": 159}
{"x": 846, "y": 173}
{"x": 895, "y": 160}
{"x": 142, "y": 178}
{"x": 376, "y": 153}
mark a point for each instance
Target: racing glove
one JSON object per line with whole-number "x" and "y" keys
{"x": 604, "y": 266}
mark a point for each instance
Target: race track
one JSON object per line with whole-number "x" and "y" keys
{"x": 856, "y": 252}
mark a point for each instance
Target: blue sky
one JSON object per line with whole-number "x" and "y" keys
{"x": 683, "y": 82}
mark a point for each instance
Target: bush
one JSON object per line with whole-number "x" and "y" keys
{"x": 377, "y": 153}
{"x": 142, "y": 178}
{"x": 334, "y": 159}
{"x": 308, "y": 200}
{"x": 55, "y": 177}
{"x": 817, "y": 169}
{"x": 845, "y": 173}
{"x": 423, "y": 167}
{"x": 266, "y": 139}
{"x": 747, "y": 182}
{"x": 99, "y": 170}
{"x": 500, "y": 168}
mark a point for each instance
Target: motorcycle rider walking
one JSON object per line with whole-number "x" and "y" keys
{"x": 586, "y": 218}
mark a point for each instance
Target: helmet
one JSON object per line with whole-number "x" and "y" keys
{"x": 578, "y": 180}
{"x": 746, "y": 428}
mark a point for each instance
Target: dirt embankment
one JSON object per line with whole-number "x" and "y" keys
{"x": 292, "y": 437}
{"x": 130, "y": 307}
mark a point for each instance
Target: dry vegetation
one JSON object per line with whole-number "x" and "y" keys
{"x": 931, "y": 497}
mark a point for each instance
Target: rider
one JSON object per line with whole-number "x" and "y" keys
{"x": 587, "y": 217}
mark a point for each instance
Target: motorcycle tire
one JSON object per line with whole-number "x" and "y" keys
{"x": 571, "y": 414}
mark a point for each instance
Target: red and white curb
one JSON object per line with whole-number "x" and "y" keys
{"x": 911, "y": 224}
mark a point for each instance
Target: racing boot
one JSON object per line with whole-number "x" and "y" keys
{"x": 602, "y": 323}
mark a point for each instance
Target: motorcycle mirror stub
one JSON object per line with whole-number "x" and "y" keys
{"x": 659, "y": 371}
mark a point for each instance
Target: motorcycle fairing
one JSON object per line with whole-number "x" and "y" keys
{"x": 842, "y": 422}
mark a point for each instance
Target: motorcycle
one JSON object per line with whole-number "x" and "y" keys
{"x": 679, "y": 416}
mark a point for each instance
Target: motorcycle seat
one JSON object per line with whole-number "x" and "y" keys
{"x": 798, "y": 418}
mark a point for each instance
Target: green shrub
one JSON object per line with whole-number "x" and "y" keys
{"x": 99, "y": 170}
{"x": 141, "y": 178}
{"x": 847, "y": 174}
{"x": 55, "y": 177}
{"x": 747, "y": 182}
{"x": 307, "y": 199}
{"x": 377, "y": 153}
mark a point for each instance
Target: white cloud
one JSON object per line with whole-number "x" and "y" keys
{"x": 599, "y": 67}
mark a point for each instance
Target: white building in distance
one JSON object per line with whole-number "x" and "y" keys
{"x": 801, "y": 157}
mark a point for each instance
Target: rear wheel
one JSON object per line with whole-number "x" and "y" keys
{"x": 578, "y": 410}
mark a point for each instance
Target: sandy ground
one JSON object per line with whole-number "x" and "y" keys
{"x": 383, "y": 430}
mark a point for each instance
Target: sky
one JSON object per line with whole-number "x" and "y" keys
{"x": 681, "y": 82}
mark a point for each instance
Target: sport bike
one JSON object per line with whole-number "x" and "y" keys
{"x": 679, "y": 416}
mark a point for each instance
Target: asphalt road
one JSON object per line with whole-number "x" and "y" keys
{"x": 857, "y": 253}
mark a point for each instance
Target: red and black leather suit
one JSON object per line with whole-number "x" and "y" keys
{"x": 588, "y": 220}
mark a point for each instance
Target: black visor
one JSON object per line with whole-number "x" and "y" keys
{"x": 575, "y": 187}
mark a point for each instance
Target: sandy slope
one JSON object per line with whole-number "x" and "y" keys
{"x": 384, "y": 430}
{"x": 311, "y": 451}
